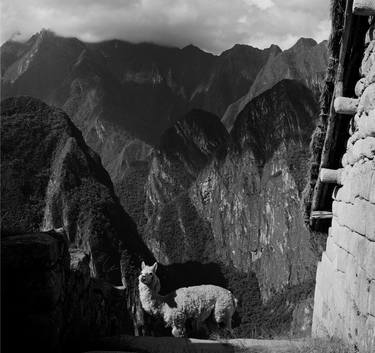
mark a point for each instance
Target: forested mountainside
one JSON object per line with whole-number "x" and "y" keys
{"x": 123, "y": 96}
{"x": 243, "y": 205}
{"x": 51, "y": 179}
{"x": 305, "y": 62}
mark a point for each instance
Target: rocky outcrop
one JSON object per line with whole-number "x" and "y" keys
{"x": 51, "y": 303}
{"x": 51, "y": 179}
{"x": 345, "y": 289}
{"x": 305, "y": 62}
{"x": 34, "y": 282}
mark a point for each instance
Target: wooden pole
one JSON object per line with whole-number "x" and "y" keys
{"x": 339, "y": 87}
{"x": 321, "y": 214}
{"x": 347, "y": 106}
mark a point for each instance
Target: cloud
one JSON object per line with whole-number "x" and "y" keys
{"x": 213, "y": 25}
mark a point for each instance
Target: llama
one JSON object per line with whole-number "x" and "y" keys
{"x": 197, "y": 302}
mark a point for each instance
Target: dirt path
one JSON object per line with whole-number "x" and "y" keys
{"x": 126, "y": 343}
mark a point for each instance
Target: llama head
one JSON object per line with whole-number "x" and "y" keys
{"x": 148, "y": 276}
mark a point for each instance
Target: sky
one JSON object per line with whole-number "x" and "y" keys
{"x": 212, "y": 25}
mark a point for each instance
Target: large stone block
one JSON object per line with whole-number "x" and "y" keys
{"x": 360, "y": 87}
{"x": 350, "y": 215}
{"x": 366, "y": 124}
{"x": 34, "y": 279}
{"x": 36, "y": 250}
{"x": 34, "y": 269}
{"x": 370, "y": 220}
{"x": 331, "y": 249}
{"x": 367, "y": 339}
{"x": 368, "y": 259}
{"x": 363, "y": 148}
{"x": 357, "y": 182}
{"x": 367, "y": 100}
{"x": 368, "y": 62}
{"x": 371, "y": 298}
{"x": 361, "y": 295}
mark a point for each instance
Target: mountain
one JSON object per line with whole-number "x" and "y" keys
{"x": 305, "y": 62}
{"x": 142, "y": 88}
{"x": 124, "y": 96}
{"x": 251, "y": 196}
{"x": 244, "y": 199}
{"x": 234, "y": 200}
{"x": 51, "y": 179}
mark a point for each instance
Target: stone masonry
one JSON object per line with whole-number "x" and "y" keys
{"x": 345, "y": 283}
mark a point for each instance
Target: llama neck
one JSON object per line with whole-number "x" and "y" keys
{"x": 150, "y": 299}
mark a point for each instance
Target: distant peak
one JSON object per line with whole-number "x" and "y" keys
{"x": 191, "y": 47}
{"x": 274, "y": 49}
{"x": 242, "y": 46}
{"x": 304, "y": 43}
{"x": 240, "y": 49}
{"x": 42, "y": 35}
{"x": 45, "y": 32}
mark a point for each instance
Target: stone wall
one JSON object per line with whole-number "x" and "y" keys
{"x": 49, "y": 301}
{"x": 345, "y": 283}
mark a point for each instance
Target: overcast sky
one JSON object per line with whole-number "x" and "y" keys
{"x": 213, "y": 25}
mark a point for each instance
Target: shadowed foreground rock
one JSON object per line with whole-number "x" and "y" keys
{"x": 51, "y": 306}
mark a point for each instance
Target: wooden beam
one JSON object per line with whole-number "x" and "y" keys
{"x": 321, "y": 214}
{"x": 331, "y": 176}
{"x": 339, "y": 86}
{"x": 344, "y": 105}
{"x": 364, "y": 7}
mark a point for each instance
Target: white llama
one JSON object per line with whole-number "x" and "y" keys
{"x": 196, "y": 303}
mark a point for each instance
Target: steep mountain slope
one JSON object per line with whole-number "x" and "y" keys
{"x": 51, "y": 179}
{"x": 305, "y": 62}
{"x": 251, "y": 197}
{"x": 185, "y": 149}
{"x": 242, "y": 209}
{"x": 233, "y": 73}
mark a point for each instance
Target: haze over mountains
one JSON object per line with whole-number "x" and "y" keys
{"x": 208, "y": 152}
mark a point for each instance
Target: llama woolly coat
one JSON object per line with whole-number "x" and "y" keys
{"x": 197, "y": 302}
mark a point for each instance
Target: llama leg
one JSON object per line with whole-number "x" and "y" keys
{"x": 229, "y": 322}
{"x": 219, "y": 315}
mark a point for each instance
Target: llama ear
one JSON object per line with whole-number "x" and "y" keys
{"x": 143, "y": 265}
{"x": 154, "y": 267}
